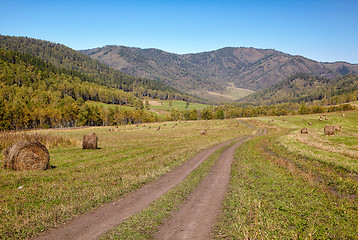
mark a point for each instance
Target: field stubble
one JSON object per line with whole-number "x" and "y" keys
{"x": 129, "y": 157}
{"x": 289, "y": 185}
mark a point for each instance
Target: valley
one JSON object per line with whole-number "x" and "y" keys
{"x": 244, "y": 125}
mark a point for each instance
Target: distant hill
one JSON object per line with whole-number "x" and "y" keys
{"x": 212, "y": 72}
{"x": 307, "y": 88}
{"x": 91, "y": 70}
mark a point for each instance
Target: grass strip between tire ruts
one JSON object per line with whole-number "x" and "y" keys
{"x": 144, "y": 224}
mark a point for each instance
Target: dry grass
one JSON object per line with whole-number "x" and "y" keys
{"x": 128, "y": 157}
{"x": 47, "y": 139}
{"x": 283, "y": 188}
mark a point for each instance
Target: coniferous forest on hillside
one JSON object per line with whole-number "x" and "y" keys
{"x": 48, "y": 85}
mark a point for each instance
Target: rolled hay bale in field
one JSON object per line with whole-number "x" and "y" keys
{"x": 26, "y": 155}
{"x": 203, "y": 132}
{"x": 337, "y": 128}
{"x": 320, "y": 119}
{"x": 158, "y": 128}
{"x": 309, "y": 123}
{"x": 90, "y": 141}
{"x": 304, "y": 131}
{"x": 326, "y": 119}
{"x": 329, "y": 130}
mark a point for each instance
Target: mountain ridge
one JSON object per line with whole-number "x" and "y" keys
{"x": 91, "y": 70}
{"x": 247, "y": 68}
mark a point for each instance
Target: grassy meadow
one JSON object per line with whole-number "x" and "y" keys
{"x": 129, "y": 156}
{"x": 163, "y": 107}
{"x": 290, "y": 185}
{"x": 284, "y": 185}
{"x": 229, "y": 94}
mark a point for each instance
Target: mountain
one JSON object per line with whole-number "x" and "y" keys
{"x": 213, "y": 72}
{"x": 90, "y": 70}
{"x": 303, "y": 87}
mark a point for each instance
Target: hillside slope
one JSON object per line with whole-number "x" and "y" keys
{"x": 90, "y": 70}
{"x": 246, "y": 68}
{"x": 307, "y": 88}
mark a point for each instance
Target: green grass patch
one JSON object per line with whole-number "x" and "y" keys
{"x": 174, "y": 104}
{"x": 129, "y": 157}
{"x": 105, "y": 105}
{"x": 276, "y": 197}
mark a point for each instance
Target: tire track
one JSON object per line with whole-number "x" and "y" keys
{"x": 198, "y": 214}
{"x": 93, "y": 224}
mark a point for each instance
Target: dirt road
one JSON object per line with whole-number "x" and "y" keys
{"x": 93, "y": 224}
{"x": 198, "y": 214}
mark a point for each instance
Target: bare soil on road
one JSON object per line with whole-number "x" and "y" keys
{"x": 93, "y": 224}
{"x": 196, "y": 217}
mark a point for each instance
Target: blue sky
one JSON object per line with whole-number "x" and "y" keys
{"x": 323, "y": 30}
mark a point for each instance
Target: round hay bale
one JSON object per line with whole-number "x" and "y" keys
{"x": 158, "y": 128}
{"x": 329, "y": 130}
{"x": 203, "y": 132}
{"x": 337, "y": 128}
{"x": 26, "y": 155}
{"x": 90, "y": 141}
{"x": 304, "y": 131}
{"x": 309, "y": 123}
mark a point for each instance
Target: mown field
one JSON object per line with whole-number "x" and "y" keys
{"x": 288, "y": 185}
{"x": 284, "y": 185}
{"x": 80, "y": 180}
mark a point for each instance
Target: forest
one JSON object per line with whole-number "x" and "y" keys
{"x": 77, "y": 64}
{"x": 35, "y": 94}
{"x": 47, "y": 85}
{"x": 303, "y": 87}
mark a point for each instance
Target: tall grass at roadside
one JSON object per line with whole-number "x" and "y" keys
{"x": 8, "y": 138}
{"x": 128, "y": 158}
